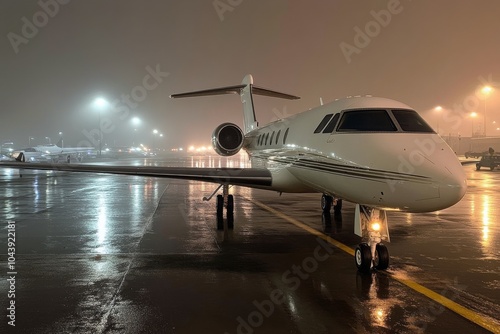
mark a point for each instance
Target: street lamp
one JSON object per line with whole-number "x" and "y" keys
{"x": 135, "y": 122}
{"x": 61, "y": 140}
{"x": 29, "y": 140}
{"x": 472, "y": 116}
{"x": 100, "y": 104}
{"x": 48, "y": 140}
{"x": 155, "y": 132}
{"x": 486, "y": 90}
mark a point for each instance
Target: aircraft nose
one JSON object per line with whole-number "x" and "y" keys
{"x": 453, "y": 185}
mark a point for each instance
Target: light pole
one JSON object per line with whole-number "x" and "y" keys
{"x": 486, "y": 90}
{"x": 472, "y": 116}
{"x": 48, "y": 140}
{"x": 100, "y": 103}
{"x": 29, "y": 140}
{"x": 155, "y": 132}
{"x": 135, "y": 122}
{"x": 62, "y": 142}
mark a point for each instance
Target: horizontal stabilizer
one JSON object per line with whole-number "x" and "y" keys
{"x": 246, "y": 90}
{"x": 236, "y": 90}
{"x": 272, "y": 93}
{"x": 213, "y": 91}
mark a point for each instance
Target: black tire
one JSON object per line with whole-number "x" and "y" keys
{"x": 220, "y": 212}
{"x": 230, "y": 220}
{"x": 326, "y": 203}
{"x": 492, "y": 168}
{"x": 478, "y": 167}
{"x": 381, "y": 260}
{"x": 363, "y": 258}
{"x": 230, "y": 204}
{"x": 68, "y": 159}
{"x": 220, "y": 223}
{"x": 326, "y": 222}
{"x": 337, "y": 209}
{"x": 230, "y": 211}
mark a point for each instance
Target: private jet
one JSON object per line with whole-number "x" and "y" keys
{"x": 51, "y": 153}
{"x": 375, "y": 152}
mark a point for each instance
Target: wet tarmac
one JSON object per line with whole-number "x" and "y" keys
{"x": 125, "y": 254}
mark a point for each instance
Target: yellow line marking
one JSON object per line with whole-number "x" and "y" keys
{"x": 483, "y": 321}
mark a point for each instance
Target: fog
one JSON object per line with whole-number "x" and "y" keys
{"x": 59, "y": 56}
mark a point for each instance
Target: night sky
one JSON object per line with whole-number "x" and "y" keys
{"x": 59, "y": 56}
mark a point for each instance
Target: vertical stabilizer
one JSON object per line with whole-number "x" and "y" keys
{"x": 249, "y": 119}
{"x": 246, "y": 91}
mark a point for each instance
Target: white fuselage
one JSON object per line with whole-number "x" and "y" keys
{"x": 403, "y": 170}
{"x": 48, "y": 152}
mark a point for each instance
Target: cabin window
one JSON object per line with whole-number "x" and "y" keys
{"x": 285, "y": 135}
{"x": 278, "y": 136}
{"x": 366, "y": 121}
{"x": 331, "y": 126}
{"x": 271, "y": 140}
{"x": 410, "y": 121}
{"x": 267, "y": 137}
{"x": 323, "y": 123}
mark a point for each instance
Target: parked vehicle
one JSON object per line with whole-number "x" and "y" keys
{"x": 490, "y": 161}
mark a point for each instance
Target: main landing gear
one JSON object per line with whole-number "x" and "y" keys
{"x": 328, "y": 201}
{"x": 371, "y": 225}
{"x": 223, "y": 201}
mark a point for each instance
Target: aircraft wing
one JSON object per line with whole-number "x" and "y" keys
{"x": 256, "y": 177}
{"x": 464, "y": 163}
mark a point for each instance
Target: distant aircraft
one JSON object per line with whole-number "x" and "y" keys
{"x": 51, "y": 152}
{"x": 375, "y": 152}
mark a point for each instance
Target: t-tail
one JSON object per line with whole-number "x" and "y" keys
{"x": 246, "y": 91}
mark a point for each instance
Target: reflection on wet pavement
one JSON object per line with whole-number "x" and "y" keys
{"x": 115, "y": 254}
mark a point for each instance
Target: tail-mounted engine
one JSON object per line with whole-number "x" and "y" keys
{"x": 227, "y": 139}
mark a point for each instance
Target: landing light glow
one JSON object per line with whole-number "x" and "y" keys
{"x": 376, "y": 226}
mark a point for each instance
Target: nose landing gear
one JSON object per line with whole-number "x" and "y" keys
{"x": 371, "y": 225}
{"x": 365, "y": 260}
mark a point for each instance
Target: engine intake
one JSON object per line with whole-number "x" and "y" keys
{"x": 227, "y": 139}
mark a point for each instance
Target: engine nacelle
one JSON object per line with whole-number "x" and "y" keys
{"x": 227, "y": 139}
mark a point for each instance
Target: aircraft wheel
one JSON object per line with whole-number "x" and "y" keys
{"x": 220, "y": 211}
{"x": 363, "y": 257}
{"x": 68, "y": 159}
{"x": 337, "y": 209}
{"x": 478, "y": 167}
{"x": 381, "y": 260}
{"x": 230, "y": 204}
{"x": 326, "y": 203}
{"x": 230, "y": 211}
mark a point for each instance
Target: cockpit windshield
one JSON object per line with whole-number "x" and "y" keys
{"x": 366, "y": 120}
{"x": 382, "y": 120}
{"x": 410, "y": 120}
